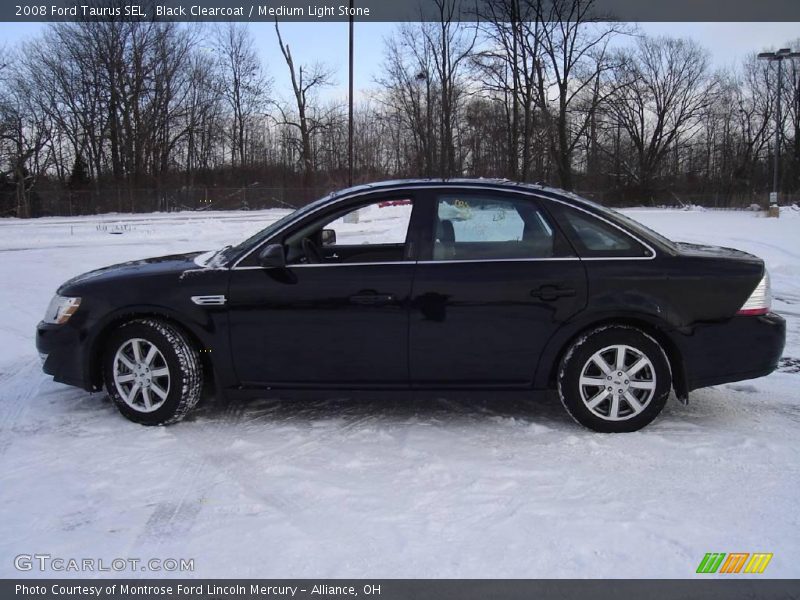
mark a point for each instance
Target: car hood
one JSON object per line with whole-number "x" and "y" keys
{"x": 704, "y": 251}
{"x": 177, "y": 264}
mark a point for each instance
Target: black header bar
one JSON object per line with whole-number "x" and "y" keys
{"x": 388, "y": 10}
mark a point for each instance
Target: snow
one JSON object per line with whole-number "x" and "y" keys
{"x": 387, "y": 488}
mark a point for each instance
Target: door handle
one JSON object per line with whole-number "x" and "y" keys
{"x": 371, "y": 299}
{"x": 549, "y": 293}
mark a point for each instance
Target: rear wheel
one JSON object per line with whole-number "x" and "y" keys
{"x": 152, "y": 372}
{"x": 614, "y": 379}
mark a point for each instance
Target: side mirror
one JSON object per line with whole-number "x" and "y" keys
{"x": 328, "y": 237}
{"x": 272, "y": 257}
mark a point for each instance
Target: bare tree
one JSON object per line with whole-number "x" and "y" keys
{"x": 245, "y": 87}
{"x": 573, "y": 45}
{"x": 408, "y": 95}
{"x": 96, "y": 113}
{"x": 306, "y": 82}
{"x": 450, "y": 45}
{"x": 425, "y": 68}
{"x": 663, "y": 88}
{"x": 203, "y": 112}
{"x": 507, "y": 62}
{"x": 25, "y": 135}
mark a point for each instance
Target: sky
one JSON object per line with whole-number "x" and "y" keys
{"x": 326, "y": 42}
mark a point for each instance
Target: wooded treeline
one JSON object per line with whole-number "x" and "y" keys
{"x": 143, "y": 116}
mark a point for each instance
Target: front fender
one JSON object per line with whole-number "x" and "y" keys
{"x": 207, "y": 326}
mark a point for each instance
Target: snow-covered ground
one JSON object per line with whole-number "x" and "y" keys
{"x": 338, "y": 488}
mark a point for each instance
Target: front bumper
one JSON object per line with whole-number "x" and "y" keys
{"x": 744, "y": 347}
{"x": 62, "y": 350}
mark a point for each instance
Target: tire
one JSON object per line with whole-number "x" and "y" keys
{"x": 167, "y": 387}
{"x": 620, "y": 399}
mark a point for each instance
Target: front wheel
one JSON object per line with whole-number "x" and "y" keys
{"x": 614, "y": 379}
{"x": 152, "y": 372}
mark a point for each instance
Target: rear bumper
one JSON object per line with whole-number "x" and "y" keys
{"x": 61, "y": 349}
{"x": 744, "y": 347}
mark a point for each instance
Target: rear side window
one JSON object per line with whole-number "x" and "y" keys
{"x": 485, "y": 227}
{"x": 595, "y": 238}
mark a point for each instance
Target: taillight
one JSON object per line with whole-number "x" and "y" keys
{"x": 760, "y": 300}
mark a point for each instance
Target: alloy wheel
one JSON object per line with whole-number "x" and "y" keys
{"x": 141, "y": 375}
{"x": 617, "y": 382}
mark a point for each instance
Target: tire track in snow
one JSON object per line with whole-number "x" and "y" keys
{"x": 787, "y": 364}
{"x": 775, "y": 247}
{"x": 237, "y": 468}
{"x": 174, "y": 518}
{"x": 296, "y": 448}
{"x": 19, "y": 385}
{"x": 786, "y": 297}
{"x": 221, "y": 461}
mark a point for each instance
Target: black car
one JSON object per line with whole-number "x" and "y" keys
{"x": 453, "y": 286}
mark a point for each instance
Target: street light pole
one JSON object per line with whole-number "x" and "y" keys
{"x": 778, "y": 57}
{"x": 777, "y": 154}
{"x": 350, "y": 107}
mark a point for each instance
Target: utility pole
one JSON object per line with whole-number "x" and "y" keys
{"x": 778, "y": 57}
{"x": 350, "y": 108}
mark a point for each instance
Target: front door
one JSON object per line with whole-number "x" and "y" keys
{"x": 497, "y": 281}
{"x": 337, "y": 315}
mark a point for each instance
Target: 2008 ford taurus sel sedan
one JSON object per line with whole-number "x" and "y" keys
{"x": 429, "y": 286}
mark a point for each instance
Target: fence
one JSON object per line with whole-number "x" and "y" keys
{"x": 51, "y": 201}
{"x": 730, "y": 201}
{"x": 65, "y": 202}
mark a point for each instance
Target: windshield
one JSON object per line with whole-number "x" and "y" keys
{"x": 231, "y": 252}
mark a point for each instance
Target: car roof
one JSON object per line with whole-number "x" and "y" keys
{"x": 488, "y": 183}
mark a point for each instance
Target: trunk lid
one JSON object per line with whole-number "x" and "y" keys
{"x": 704, "y": 251}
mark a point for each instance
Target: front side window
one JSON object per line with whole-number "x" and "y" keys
{"x": 384, "y": 222}
{"x": 373, "y": 232}
{"x": 486, "y": 227}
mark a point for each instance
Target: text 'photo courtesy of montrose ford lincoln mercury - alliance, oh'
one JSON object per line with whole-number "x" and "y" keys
{"x": 464, "y": 285}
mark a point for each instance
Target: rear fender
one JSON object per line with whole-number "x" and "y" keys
{"x": 559, "y": 343}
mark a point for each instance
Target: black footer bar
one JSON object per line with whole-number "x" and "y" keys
{"x": 399, "y": 589}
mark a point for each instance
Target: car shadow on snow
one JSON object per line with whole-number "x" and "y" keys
{"x": 543, "y": 410}
{"x": 61, "y": 405}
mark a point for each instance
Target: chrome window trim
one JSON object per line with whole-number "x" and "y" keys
{"x": 493, "y": 188}
{"x": 306, "y": 265}
{"x": 495, "y": 260}
{"x": 419, "y": 262}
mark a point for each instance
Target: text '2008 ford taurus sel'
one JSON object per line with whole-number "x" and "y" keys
{"x": 455, "y": 285}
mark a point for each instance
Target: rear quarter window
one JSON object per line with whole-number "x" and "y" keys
{"x": 595, "y": 238}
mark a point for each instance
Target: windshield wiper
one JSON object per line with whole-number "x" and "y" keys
{"x": 219, "y": 253}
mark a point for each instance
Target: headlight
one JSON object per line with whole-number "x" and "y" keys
{"x": 61, "y": 309}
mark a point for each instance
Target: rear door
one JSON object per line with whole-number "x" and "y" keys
{"x": 495, "y": 280}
